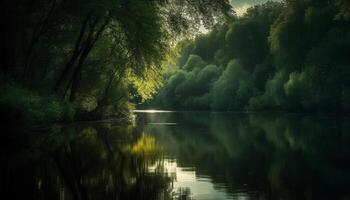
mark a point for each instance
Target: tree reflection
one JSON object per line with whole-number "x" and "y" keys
{"x": 264, "y": 155}
{"x": 89, "y": 162}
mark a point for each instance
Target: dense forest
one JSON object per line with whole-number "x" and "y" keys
{"x": 85, "y": 59}
{"x": 291, "y": 56}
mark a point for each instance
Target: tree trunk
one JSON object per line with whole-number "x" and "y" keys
{"x": 76, "y": 52}
{"x": 38, "y": 31}
{"x": 75, "y": 79}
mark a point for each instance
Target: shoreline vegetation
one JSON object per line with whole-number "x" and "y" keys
{"x": 175, "y": 99}
{"x": 63, "y": 61}
{"x": 289, "y": 56}
{"x": 66, "y": 61}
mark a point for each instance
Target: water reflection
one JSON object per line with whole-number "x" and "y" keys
{"x": 81, "y": 162}
{"x": 257, "y": 156}
{"x": 175, "y": 155}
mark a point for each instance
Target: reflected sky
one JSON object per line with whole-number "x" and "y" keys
{"x": 152, "y": 111}
{"x": 254, "y": 156}
{"x": 183, "y": 155}
{"x": 201, "y": 186}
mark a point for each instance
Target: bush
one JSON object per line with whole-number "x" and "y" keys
{"x": 23, "y": 107}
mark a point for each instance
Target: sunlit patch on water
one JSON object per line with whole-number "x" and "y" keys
{"x": 162, "y": 123}
{"x": 152, "y": 111}
{"x": 185, "y": 179}
{"x": 206, "y": 156}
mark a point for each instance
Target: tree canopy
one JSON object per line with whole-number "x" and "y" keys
{"x": 96, "y": 55}
{"x": 290, "y": 55}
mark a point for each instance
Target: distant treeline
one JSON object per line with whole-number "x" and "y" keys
{"x": 292, "y": 56}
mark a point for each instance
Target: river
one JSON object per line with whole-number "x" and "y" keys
{"x": 184, "y": 155}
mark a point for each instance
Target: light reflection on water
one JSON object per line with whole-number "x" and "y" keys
{"x": 254, "y": 156}
{"x": 153, "y": 111}
{"x": 162, "y": 123}
{"x": 183, "y": 156}
{"x": 201, "y": 186}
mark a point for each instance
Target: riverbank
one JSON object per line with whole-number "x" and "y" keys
{"x": 23, "y": 109}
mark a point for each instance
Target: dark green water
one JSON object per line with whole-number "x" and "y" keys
{"x": 183, "y": 155}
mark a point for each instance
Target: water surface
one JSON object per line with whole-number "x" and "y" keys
{"x": 184, "y": 155}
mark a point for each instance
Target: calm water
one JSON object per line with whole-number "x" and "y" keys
{"x": 183, "y": 155}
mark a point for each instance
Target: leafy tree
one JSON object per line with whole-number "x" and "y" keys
{"x": 289, "y": 56}
{"x": 96, "y": 54}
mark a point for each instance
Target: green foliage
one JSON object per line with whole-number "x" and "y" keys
{"x": 233, "y": 87}
{"x": 290, "y": 56}
{"x": 194, "y": 62}
{"x": 98, "y": 55}
{"x": 28, "y": 108}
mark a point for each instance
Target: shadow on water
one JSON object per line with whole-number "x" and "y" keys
{"x": 183, "y": 156}
{"x": 98, "y": 161}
